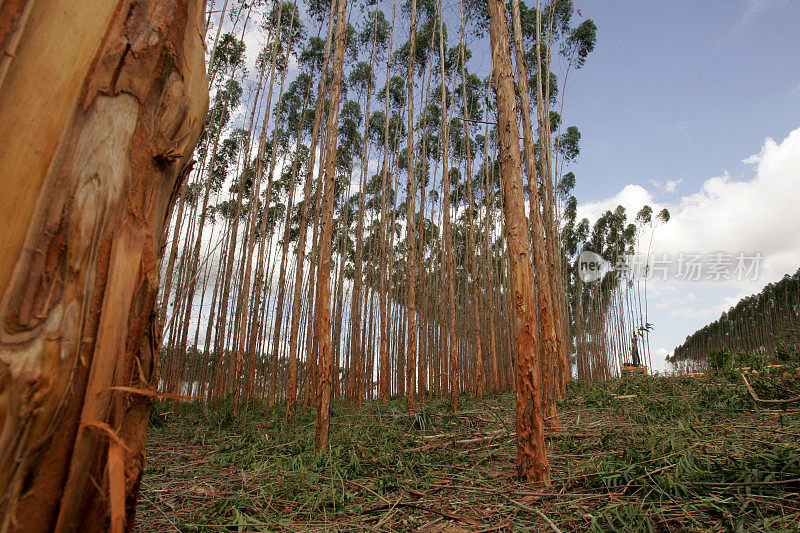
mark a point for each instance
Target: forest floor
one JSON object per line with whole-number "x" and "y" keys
{"x": 643, "y": 454}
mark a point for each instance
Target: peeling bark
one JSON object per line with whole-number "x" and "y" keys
{"x": 547, "y": 310}
{"x": 91, "y": 163}
{"x": 531, "y": 457}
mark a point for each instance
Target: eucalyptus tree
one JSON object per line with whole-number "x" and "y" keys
{"x": 532, "y": 462}
{"x": 447, "y": 229}
{"x": 551, "y": 346}
{"x": 323, "y": 312}
{"x": 108, "y": 148}
{"x": 471, "y": 111}
{"x": 225, "y": 100}
{"x": 383, "y": 273}
{"x": 254, "y": 174}
{"x": 316, "y": 60}
{"x": 411, "y": 188}
{"x": 761, "y": 328}
{"x": 606, "y": 313}
{"x": 362, "y": 78}
{"x": 227, "y": 61}
{"x": 537, "y": 30}
{"x": 302, "y": 85}
{"x": 281, "y": 46}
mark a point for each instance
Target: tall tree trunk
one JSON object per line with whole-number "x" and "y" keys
{"x": 323, "y": 314}
{"x": 549, "y": 344}
{"x": 532, "y": 460}
{"x": 548, "y": 202}
{"x": 285, "y": 251}
{"x": 173, "y": 254}
{"x": 447, "y": 230}
{"x": 487, "y": 255}
{"x": 384, "y": 272}
{"x": 244, "y": 295}
{"x": 291, "y": 385}
{"x": 411, "y": 192}
{"x": 472, "y": 250}
{"x": 106, "y": 141}
{"x": 355, "y": 306}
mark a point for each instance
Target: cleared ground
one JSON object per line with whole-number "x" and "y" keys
{"x": 661, "y": 454}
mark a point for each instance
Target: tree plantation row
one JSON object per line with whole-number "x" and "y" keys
{"x": 760, "y": 328}
{"x": 397, "y": 276}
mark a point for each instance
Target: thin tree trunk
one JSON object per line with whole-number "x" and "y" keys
{"x": 384, "y": 271}
{"x": 472, "y": 250}
{"x": 323, "y": 314}
{"x": 411, "y": 192}
{"x": 291, "y": 386}
{"x": 448, "y": 232}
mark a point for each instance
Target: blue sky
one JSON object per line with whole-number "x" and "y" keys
{"x": 703, "y": 96}
{"x": 682, "y": 89}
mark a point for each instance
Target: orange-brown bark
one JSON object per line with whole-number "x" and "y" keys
{"x": 90, "y": 164}
{"x": 531, "y": 455}
{"x": 322, "y": 330}
{"x": 550, "y": 339}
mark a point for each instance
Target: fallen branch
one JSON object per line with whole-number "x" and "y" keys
{"x": 454, "y": 435}
{"x": 458, "y": 517}
{"x": 553, "y": 527}
{"x": 572, "y": 435}
{"x": 480, "y": 439}
{"x": 768, "y": 402}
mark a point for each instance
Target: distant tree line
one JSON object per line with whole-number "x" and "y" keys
{"x": 766, "y": 324}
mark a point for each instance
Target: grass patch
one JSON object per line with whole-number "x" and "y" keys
{"x": 640, "y": 454}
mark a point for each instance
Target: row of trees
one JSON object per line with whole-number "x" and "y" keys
{"x": 609, "y": 315}
{"x": 354, "y": 246}
{"x": 338, "y": 234}
{"x": 767, "y": 324}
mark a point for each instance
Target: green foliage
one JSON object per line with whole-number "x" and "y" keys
{"x": 719, "y": 359}
{"x": 159, "y": 414}
{"x": 581, "y": 42}
{"x": 569, "y": 144}
{"x": 722, "y": 395}
{"x": 786, "y": 352}
{"x": 625, "y": 517}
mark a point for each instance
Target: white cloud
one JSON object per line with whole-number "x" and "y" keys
{"x": 631, "y": 197}
{"x": 727, "y": 214}
{"x": 744, "y": 215}
{"x": 758, "y": 214}
{"x": 672, "y": 185}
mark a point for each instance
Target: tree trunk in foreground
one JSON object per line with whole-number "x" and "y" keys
{"x": 549, "y": 342}
{"x": 100, "y": 105}
{"x": 531, "y": 457}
